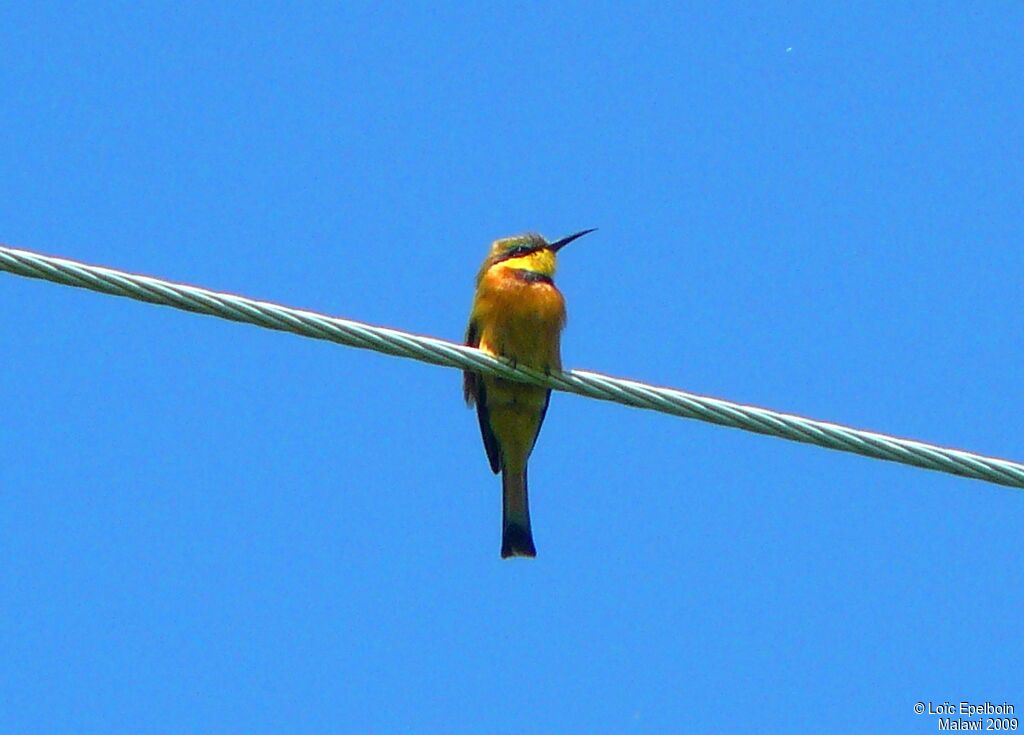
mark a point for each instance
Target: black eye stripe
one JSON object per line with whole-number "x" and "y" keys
{"x": 518, "y": 252}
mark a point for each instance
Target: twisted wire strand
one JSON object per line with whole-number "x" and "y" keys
{"x": 449, "y": 354}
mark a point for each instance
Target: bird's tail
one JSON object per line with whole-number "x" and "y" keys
{"x": 516, "y": 537}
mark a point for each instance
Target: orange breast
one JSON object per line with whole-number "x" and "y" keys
{"x": 520, "y": 319}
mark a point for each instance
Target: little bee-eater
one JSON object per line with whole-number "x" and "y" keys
{"x": 517, "y": 314}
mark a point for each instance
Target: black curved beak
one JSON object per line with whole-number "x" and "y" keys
{"x": 556, "y": 246}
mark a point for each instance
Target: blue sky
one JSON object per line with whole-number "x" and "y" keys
{"x": 209, "y": 527}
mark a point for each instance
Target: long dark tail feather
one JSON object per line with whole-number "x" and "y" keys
{"x": 516, "y": 536}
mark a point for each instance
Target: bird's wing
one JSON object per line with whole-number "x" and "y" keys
{"x": 474, "y": 391}
{"x": 540, "y": 422}
{"x": 471, "y": 381}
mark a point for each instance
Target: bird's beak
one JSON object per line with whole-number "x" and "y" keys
{"x": 556, "y": 246}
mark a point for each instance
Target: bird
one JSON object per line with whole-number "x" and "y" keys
{"x": 517, "y": 314}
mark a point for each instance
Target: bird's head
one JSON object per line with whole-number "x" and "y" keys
{"x": 528, "y": 252}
